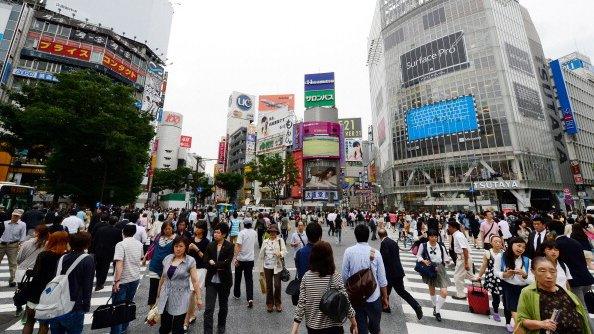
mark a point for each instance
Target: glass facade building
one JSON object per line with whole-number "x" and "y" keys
{"x": 458, "y": 107}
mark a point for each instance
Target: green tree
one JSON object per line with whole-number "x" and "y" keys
{"x": 230, "y": 182}
{"x": 177, "y": 180}
{"x": 94, "y": 140}
{"x": 274, "y": 172}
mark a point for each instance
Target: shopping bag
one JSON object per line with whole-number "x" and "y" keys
{"x": 262, "y": 283}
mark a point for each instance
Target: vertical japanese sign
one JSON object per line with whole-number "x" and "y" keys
{"x": 319, "y": 90}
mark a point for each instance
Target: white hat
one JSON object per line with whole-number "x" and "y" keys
{"x": 17, "y": 212}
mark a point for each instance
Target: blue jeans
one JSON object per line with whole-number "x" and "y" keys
{"x": 71, "y": 323}
{"x": 368, "y": 317}
{"x": 126, "y": 293}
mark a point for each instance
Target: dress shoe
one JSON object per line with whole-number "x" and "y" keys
{"x": 459, "y": 298}
{"x": 250, "y": 304}
{"x": 438, "y": 317}
{"x": 387, "y": 310}
{"x": 12, "y": 284}
{"x": 419, "y": 312}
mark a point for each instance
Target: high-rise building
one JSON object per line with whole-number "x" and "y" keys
{"x": 458, "y": 107}
{"x": 573, "y": 77}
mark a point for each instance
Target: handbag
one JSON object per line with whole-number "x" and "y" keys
{"x": 109, "y": 315}
{"x": 153, "y": 317}
{"x": 262, "y": 283}
{"x": 429, "y": 271}
{"x": 334, "y": 304}
{"x": 361, "y": 285}
{"x": 293, "y": 287}
{"x": 20, "y": 295}
{"x": 285, "y": 275}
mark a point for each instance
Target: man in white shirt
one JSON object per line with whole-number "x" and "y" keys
{"x": 192, "y": 218}
{"x": 504, "y": 228}
{"x": 298, "y": 239}
{"x": 72, "y": 223}
{"x": 244, "y": 261}
{"x": 128, "y": 257}
{"x": 141, "y": 235}
{"x": 463, "y": 263}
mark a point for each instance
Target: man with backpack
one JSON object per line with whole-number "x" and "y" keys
{"x": 65, "y": 305}
{"x": 365, "y": 279}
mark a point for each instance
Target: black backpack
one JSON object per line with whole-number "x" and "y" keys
{"x": 334, "y": 304}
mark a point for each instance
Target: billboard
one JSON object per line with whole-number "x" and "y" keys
{"x": 441, "y": 118}
{"x": 518, "y": 59}
{"x": 528, "y": 102}
{"x": 172, "y": 118}
{"x": 250, "y": 143}
{"x": 436, "y": 58}
{"x": 319, "y": 98}
{"x": 576, "y": 171}
{"x": 321, "y": 173}
{"x": 298, "y": 136}
{"x": 351, "y": 127}
{"x": 321, "y": 128}
{"x": 64, "y": 50}
{"x": 571, "y": 127}
{"x": 222, "y": 151}
{"x": 271, "y": 144}
{"x": 152, "y": 95}
{"x": 185, "y": 141}
{"x": 353, "y": 149}
{"x": 319, "y": 81}
{"x": 296, "y": 190}
{"x": 321, "y": 147}
{"x": 5, "y": 10}
{"x": 241, "y": 106}
{"x": 119, "y": 67}
{"x": 320, "y": 195}
{"x": 276, "y": 115}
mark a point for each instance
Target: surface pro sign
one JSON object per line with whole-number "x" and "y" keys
{"x": 436, "y": 58}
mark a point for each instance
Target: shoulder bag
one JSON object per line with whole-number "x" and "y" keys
{"x": 285, "y": 276}
{"x": 109, "y": 315}
{"x": 361, "y": 285}
{"x": 428, "y": 271}
{"x": 334, "y": 304}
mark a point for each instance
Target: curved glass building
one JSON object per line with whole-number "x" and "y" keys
{"x": 459, "y": 107}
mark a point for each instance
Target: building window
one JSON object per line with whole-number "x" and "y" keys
{"x": 434, "y": 18}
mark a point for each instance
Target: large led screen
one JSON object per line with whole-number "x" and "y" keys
{"x": 321, "y": 147}
{"x": 442, "y": 118}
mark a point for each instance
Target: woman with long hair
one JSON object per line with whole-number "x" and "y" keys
{"x": 27, "y": 255}
{"x": 578, "y": 234}
{"x": 162, "y": 247}
{"x": 522, "y": 230}
{"x": 492, "y": 283}
{"x": 549, "y": 250}
{"x": 44, "y": 270}
{"x": 322, "y": 275}
{"x": 512, "y": 268}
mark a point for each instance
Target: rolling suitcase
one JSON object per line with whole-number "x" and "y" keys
{"x": 478, "y": 299}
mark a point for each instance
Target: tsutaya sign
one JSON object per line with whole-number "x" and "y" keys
{"x": 503, "y": 184}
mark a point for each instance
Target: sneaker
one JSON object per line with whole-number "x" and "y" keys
{"x": 250, "y": 303}
{"x": 434, "y": 312}
{"x": 496, "y": 317}
{"x": 438, "y": 317}
{"x": 459, "y": 298}
{"x": 510, "y": 328}
{"x": 236, "y": 297}
{"x": 12, "y": 284}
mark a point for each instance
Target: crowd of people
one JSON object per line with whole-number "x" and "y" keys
{"x": 534, "y": 264}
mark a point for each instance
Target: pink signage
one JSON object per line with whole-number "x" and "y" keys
{"x": 321, "y": 128}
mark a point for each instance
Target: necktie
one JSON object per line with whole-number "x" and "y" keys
{"x": 433, "y": 250}
{"x": 538, "y": 241}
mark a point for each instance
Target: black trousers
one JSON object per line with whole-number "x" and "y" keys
{"x": 101, "y": 268}
{"x": 398, "y": 285}
{"x": 260, "y": 237}
{"x": 173, "y": 324}
{"x": 214, "y": 291}
{"x": 246, "y": 268}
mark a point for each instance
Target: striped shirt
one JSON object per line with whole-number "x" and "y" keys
{"x": 129, "y": 251}
{"x": 312, "y": 289}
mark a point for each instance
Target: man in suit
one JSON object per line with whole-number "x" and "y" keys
{"x": 536, "y": 237}
{"x": 104, "y": 244}
{"x": 394, "y": 271}
{"x": 571, "y": 253}
{"x": 218, "y": 258}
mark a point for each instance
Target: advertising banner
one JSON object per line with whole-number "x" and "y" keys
{"x": 64, "y": 50}
{"x": 372, "y": 172}
{"x": 518, "y": 59}
{"x": 320, "y": 195}
{"x": 26, "y": 73}
{"x": 528, "y": 102}
{"x": 571, "y": 126}
{"x": 152, "y": 95}
{"x": 271, "y": 144}
{"x": 241, "y": 106}
{"x": 321, "y": 147}
{"x": 436, "y": 58}
{"x": 119, "y": 67}
{"x": 276, "y": 115}
{"x": 576, "y": 171}
{"x": 441, "y": 118}
{"x": 319, "y": 98}
{"x": 5, "y": 10}
{"x": 381, "y": 131}
{"x": 172, "y": 118}
{"x": 250, "y": 144}
{"x": 351, "y": 127}
{"x": 321, "y": 128}
{"x": 319, "y": 81}
{"x": 222, "y": 152}
{"x": 185, "y": 142}
{"x": 321, "y": 173}
{"x": 296, "y": 190}
{"x": 353, "y": 150}
{"x": 298, "y": 136}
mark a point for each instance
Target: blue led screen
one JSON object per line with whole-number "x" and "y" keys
{"x": 442, "y": 118}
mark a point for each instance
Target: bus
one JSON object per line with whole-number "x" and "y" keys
{"x": 15, "y": 196}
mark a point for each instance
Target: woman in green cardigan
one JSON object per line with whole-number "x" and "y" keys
{"x": 539, "y": 299}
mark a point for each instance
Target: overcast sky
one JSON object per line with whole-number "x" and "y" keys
{"x": 265, "y": 47}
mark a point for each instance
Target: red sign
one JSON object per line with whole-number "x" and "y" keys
{"x": 172, "y": 118}
{"x": 120, "y": 68}
{"x": 296, "y": 190}
{"x": 64, "y": 50}
{"x": 222, "y": 152}
{"x": 577, "y": 172}
{"x": 185, "y": 142}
